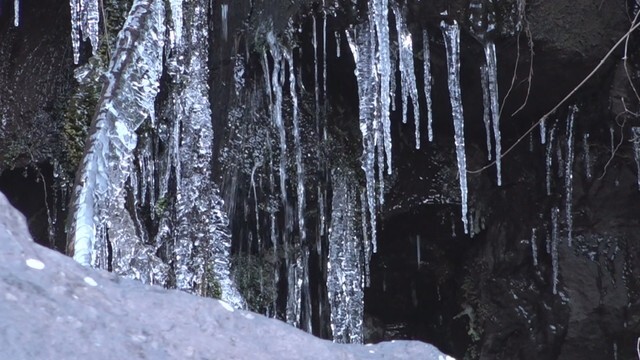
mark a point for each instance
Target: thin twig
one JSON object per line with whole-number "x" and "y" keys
{"x": 571, "y": 93}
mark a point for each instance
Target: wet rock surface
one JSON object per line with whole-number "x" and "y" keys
{"x": 474, "y": 297}
{"x": 53, "y": 308}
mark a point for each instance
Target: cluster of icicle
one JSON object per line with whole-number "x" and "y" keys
{"x": 564, "y": 169}
{"x": 85, "y": 21}
{"x": 102, "y": 232}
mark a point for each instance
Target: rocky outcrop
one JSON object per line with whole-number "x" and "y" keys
{"x": 53, "y": 308}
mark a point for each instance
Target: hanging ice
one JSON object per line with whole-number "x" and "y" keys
{"x": 277, "y": 82}
{"x": 302, "y": 259}
{"x": 407, "y": 70}
{"x": 127, "y": 100}
{"x": 224, "y": 13}
{"x": 16, "y": 13}
{"x": 176, "y": 20}
{"x": 451, "y": 33}
{"x": 568, "y": 175}
{"x": 362, "y": 48}
{"x": 383, "y": 66}
{"x": 636, "y": 149}
{"x": 345, "y": 263}
{"x": 549, "y": 159}
{"x": 492, "y": 80}
{"x": 427, "y": 81}
{"x": 201, "y": 241}
{"x": 85, "y": 18}
{"x": 534, "y": 247}
{"x": 587, "y": 155}
{"x": 486, "y": 102}
{"x": 554, "y": 248}
{"x": 543, "y": 131}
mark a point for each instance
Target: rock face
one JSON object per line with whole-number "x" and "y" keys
{"x": 489, "y": 296}
{"x": 53, "y": 308}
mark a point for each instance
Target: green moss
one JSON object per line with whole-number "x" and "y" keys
{"x": 254, "y": 277}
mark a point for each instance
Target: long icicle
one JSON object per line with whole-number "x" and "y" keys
{"x": 451, "y": 34}
{"x": 427, "y": 81}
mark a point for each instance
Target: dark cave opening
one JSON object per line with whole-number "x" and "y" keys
{"x": 31, "y": 191}
{"x": 416, "y": 279}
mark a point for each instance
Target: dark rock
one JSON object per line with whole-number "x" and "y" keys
{"x": 53, "y": 308}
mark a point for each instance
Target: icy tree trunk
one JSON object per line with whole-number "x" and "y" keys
{"x": 98, "y": 215}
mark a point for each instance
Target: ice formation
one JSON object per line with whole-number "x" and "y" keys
{"x": 345, "y": 263}
{"x": 568, "y": 176}
{"x": 427, "y": 81}
{"x": 85, "y": 19}
{"x": 407, "y": 70}
{"x": 555, "y": 239}
{"x": 451, "y": 33}
{"x": 127, "y": 100}
{"x": 636, "y": 149}
{"x": 491, "y": 69}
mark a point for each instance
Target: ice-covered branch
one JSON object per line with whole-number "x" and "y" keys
{"x": 127, "y": 99}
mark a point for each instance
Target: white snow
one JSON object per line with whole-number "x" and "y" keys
{"x": 90, "y": 281}
{"x": 226, "y": 306}
{"x": 34, "y": 264}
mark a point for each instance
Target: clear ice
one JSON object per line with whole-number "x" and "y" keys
{"x": 492, "y": 80}
{"x": 427, "y": 81}
{"x": 451, "y": 33}
{"x": 345, "y": 263}
{"x": 636, "y": 149}
{"x": 407, "y": 70}
{"x": 127, "y": 100}
{"x": 568, "y": 176}
{"x": 85, "y": 19}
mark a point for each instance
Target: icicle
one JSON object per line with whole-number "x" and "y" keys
{"x": 277, "y": 82}
{"x": 16, "y": 13}
{"x": 85, "y": 18}
{"x": 568, "y": 176}
{"x": 554, "y": 247}
{"x": 636, "y": 149}
{"x": 407, "y": 70}
{"x": 345, "y": 262}
{"x": 224, "y": 12}
{"x": 324, "y": 57}
{"x": 549, "y": 159}
{"x": 298, "y": 149}
{"x": 451, "y": 35}
{"x": 612, "y": 140}
{"x": 543, "y": 131}
{"x": 492, "y": 79}
{"x": 363, "y": 54}
{"x": 486, "y": 101}
{"x": 534, "y": 247}
{"x": 418, "y": 259}
{"x": 587, "y": 155}
{"x": 338, "y": 40}
{"x": 316, "y": 78}
{"x": 176, "y": 20}
{"x": 427, "y": 81}
{"x": 365, "y": 238}
{"x": 381, "y": 25}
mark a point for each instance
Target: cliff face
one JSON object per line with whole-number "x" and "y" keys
{"x": 548, "y": 265}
